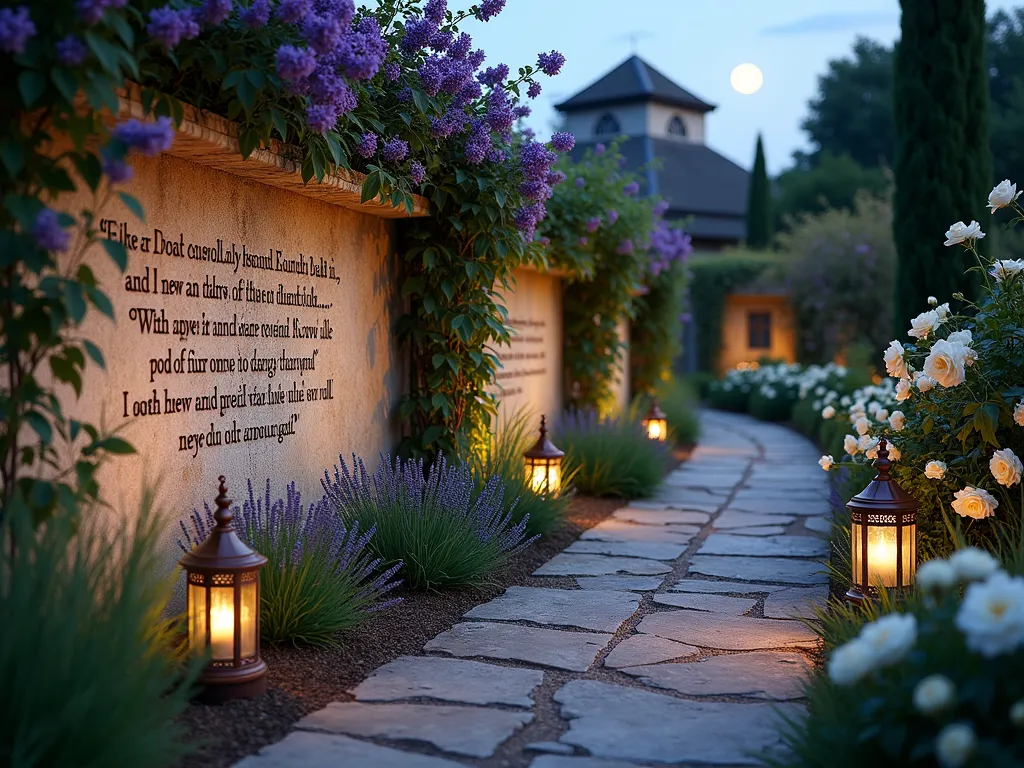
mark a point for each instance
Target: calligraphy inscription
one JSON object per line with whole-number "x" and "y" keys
{"x": 526, "y": 357}
{"x": 253, "y": 325}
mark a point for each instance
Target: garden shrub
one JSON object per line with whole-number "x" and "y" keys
{"x": 320, "y": 577}
{"x": 442, "y": 530}
{"x": 656, "y": 332}
{"x": 89, "y": 667}
{"x": 678, "y": 400}
{"x": 610, "y": 456}
{"x": 502, "y": 456}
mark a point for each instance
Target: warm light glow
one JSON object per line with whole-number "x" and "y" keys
{"x": 222, "y": 623}
{"x": 746, "y": 79}
{"x": 882, "y": 556}
{"x": 544, "y": 478}
{"x": 656, "y": 429}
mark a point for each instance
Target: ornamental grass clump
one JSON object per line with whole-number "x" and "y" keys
{"x": 441, "y": 529}
{"x": 611, "y": 456}
{"x": 937, "y": 679}
{"x": 321, "y": 577}
{"x": 678, "y": 400}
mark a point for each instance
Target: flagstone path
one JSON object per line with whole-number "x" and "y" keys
{"x": 664, "y": 635}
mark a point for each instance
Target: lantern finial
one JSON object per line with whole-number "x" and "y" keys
{"x": 882, "y": 463}
{"x": 223, "y": 515}
{"x": 543, "y": 426}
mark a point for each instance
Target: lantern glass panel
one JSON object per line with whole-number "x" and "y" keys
{"x": 249, "y": 612}
{"x": 882, "y": 556}
{"x": 656, "y": 429}
{"x": 909, "y": 553}
{"x": 222, "y": 623}
{"x": 196, "y": 616}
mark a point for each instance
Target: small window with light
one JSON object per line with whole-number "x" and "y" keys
{"x": 759, "y": 330}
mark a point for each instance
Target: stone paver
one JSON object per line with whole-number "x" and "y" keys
{"x": 599, "y": 565}
{"x": 627, "y": 583}
{"x": 661, "y": 516}
{"x": 558, "y": 761}
{"x": 802, "y": 507}
{"x": 774, "y": 676}
{"x": 727, "y": 633}
{"x": 611, "y": 721}
{"x": 720, "y": 587}
{"x": 621, "y": 530}
{"x": 573, "y": 651}
{"x": 732, "y": 518}
{"x": 593, "y": 609}
{"x": 469, "y": 731}
{"x": 772, "y": 569}
{"x": 761, "y": 530}
{"x": 303, "y": 749}
{"x": 798, "y": 602}
{"x": 636, "y": 650}
{"x": 654, "y": 550}
{"x": 764, "y": 546}
{"x": 454, "y": 680}
{"x": 549, "y": 747}
{"x": 819, "y": 524}
{"x": 733, "y": 606}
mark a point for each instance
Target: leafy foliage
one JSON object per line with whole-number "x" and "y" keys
{"x": 437, "y": 524}
{"x": 87, "y": 664}
{"x": 678, "y": 400}
{"x": 832, "y": 181}
{"x": 319, "y": 578}
{"x": 656, "y": 333}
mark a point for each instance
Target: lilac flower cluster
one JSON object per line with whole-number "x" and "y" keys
{"x": 149, "y": 139}
{"x": 48, "y": 232}
{"x": 215, "y": 12}
{"x": 563, "y": 141}
{"x": 550, "y": 63}
{"x": 171, "y": 25}
{"x": 367, "y": 146}
{"x": 631, "y": 189}
{"x": 489, "y": 9}
{"x": 256, "y": 15}
{"x": 71, "y": 51}
{"x": 668, "y": 245}
{"x": 535, "y": 162}
{"x": 16, "y": 29}
{"x": 91, "y": 11}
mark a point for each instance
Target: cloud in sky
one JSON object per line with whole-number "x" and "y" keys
{"x": 832, "y": 22}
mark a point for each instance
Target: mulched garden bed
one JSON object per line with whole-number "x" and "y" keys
{"x": 303, "y": 680}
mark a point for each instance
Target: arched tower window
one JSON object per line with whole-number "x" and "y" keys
{"x": 676, "y": 127}
{"x": 607, "y": 125}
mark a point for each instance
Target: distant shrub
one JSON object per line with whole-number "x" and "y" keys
{"x": 678, "y": 400}
{"x": 320, "y": 577}
{"x": 610, "y": 456}
{"x": 502, "y": 456}
{"x": 442, "y": 530}
{"x": 89, "y": 667}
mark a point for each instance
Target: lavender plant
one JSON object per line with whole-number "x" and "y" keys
{"x": 321, "y": 577}
{"x": 434, "y": 524}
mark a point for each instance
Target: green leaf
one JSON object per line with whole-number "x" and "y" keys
{"x": 133, "y": 205}
{"x": 279, "y": 123}
{"x": 31, "y": 85}
{"x": 334, "y": 144}
{"x": 117, "y": 252}
{"x": 75, "y": 300}
{"x": 89, "y": 168}
{"x": 248, "y": 141}
{"x": 11, "y": 156}
{"x": 94, "y": 353}
{"x": 107, "y": 54}
{"x": 115, "y": 445}
{"x": 40, "y": 426}
{"x": 123, "y": 29}
{"x": 371, "y": 188}
{"x": 431, "y": 434}
{"x": 66, "y": 83}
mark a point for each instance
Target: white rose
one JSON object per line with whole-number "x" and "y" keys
{"x": 1006, "y": 268}
{"x": 922, "y": 325}
{"x": 925, "y": 383}
{"x": 850, "y": 445}
{"x": 954, "y": 745}
{"x": 932, "y": 301}
{"x": 850, "y": 662}
{"x": 902, "y": 390}
{"x": 1018, "y": 414}
{"x": 973, "y": 564}
{"x": 942, "y": 311}
{"x": 962, "y": 337}
{"x": 991, "y": 616}
{"x": 894, "y": 453}
{"x": 934, "y": 694}
{"x": 936, "y": 576}
{"x": 891, "y": 637}
{"x": 945, "y": 363}
{"x": 1006, "y": 467}
{"x": 935, "y": 470}
{"x": 881, "y": 415}
{"x": 826, "y": 463}
{"x": 866, "y": 443}
{"x": 828, "y": 412}
{"x": 862, "y": 425}
{"x": 960, "y": 232}
{"x": 1017, "y": 714}
{"x": 897, "y": 420}
{"x": 974, "y": 502}
{"x": 1002, "y": 195}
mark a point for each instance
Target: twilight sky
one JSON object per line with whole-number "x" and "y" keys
{"x": 696, "y": 43}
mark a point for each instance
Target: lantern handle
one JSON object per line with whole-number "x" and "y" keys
{"x": 223, "y": 515}
{"x": 882, "y": 463}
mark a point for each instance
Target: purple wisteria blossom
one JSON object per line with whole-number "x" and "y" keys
{"x": 460, "y": 48}
{"x": 170, "y": 26}
{"x": 214, "y": 12}
{"x": 48, "y": 233}
{"x": 395, "y": 151}
{"x": 392, "y": 72}
{"x": 613, "y": 216}
{"x": 493, "y": 76}
{"x": 149, "y": 139}
{"x": 16, "y": 29}
{"x": 91, "y": 11}
{"x": 479, "y": 142}
{"x": 417, "y": 172}
{"x": 631, "y": 189}
{"x": 367, "y": 146}
{"x": 593, "y": 224}
{"x": 294, "y": 63}
{"x": 555, "y": 178}
{"x": 256, "y": 15}
{"x": 550, "y": 63}
{"x": 476, "y": 59}
{"x": 580, "y": 182}
{"x": 115, "y": 169}
{"x": 533, "y": 91}
{"x": 71, "y": 51}
{"x": 418, "y": 33}
{"x": 625, "y": 247}
{"x": 582, "y": 241}
{"x": 600, "y": 149}
{"x": 434, "y": 11}
{"x": 521, "y": 111}
{"x": 668, "y": 246}
{"x": 294, "y": 11}
{"x": 563, "y": 141}
{"x": 489, "y": 9}
{"x": 660, "y": 208}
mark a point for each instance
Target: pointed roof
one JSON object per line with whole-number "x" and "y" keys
{"x": 634, "y": 80}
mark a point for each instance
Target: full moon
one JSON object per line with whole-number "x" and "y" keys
{"x": 746, "y": 79}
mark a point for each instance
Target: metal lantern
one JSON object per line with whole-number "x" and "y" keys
{"x": 223, "y": 577}
{"x": 883, "y": 525}
{"x": 544, "y": 464}
{"x": 655, "y": 423}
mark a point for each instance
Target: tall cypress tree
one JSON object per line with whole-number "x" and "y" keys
{"x": 759, "y": 215}
{"x": 942, "y": 167}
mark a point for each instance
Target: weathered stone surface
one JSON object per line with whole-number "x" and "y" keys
{"x": 819, "y": 524}
{"x": 328, "y": 750}
{"x": 549, "y": 747}
{"x": 720, "y": 587}
{"x": 455, "y": 680}
{"x": 764, "y": 546}
{"x": 599, "y": 565}
{"x": 767, "y": 506}
{"x": 655, "y": 550}
{"x": 594, "y": 609}
{"x": 726, "y": 633}
{"x": 646, "y": 649}
{"x": 798, "y": 602}
{"x": 621, "y": 530}
{"x": 732, "y": 606}
{"x": 667, "y": 502}
{"x": 470, "y": 731}
{"x": 731, "y": 518}
{"x": 661, "y": 516}
{"x": 689, "y": 498}
{"x": 558, "y": 761}
{"x": 574, "y": 651}
{"x": 627, "y": 583}
{"x": 772, "y": 569}
{"x": 612, "y": 721}
{"x": 763, "y": 530}
{"x": 775, "y": 676}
